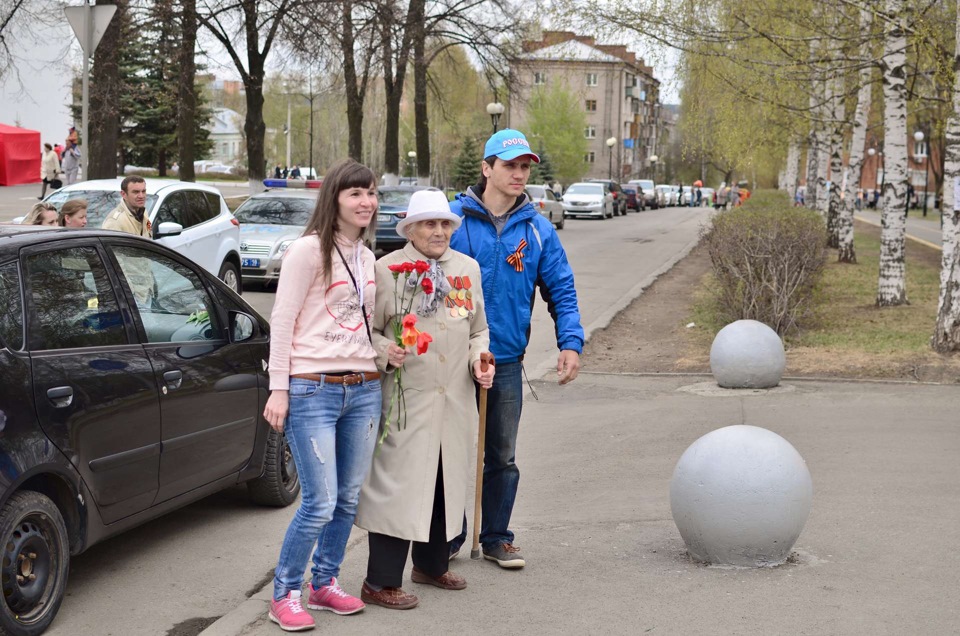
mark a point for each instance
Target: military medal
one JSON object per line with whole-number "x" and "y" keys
{"x": 460, "y": 298}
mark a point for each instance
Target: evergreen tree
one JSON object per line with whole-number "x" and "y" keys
{"x": 545, "y": 168}
{"x": 466, "y": 170}
{"x": 149, "y": 77}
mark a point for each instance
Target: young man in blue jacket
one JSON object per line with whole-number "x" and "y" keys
{"x": 518, "y": 251}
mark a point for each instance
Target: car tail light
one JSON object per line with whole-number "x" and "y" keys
{"x": 541, "y": 205}
{"x": 234, "y": 220}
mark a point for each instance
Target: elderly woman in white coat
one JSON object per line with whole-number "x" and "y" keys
{"x": 417, "y": 487}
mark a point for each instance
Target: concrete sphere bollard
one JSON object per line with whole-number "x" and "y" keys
{"x": 740, "y": 495}
{"x": 747, "y": 354}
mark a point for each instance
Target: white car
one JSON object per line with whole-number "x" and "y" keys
{"x": 588, "y": 199}
{"x": 546, "y": 203}
{"x": 190, "y": 218}
{"x": 667, "y": 195}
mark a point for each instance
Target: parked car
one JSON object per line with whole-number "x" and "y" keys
{"x": 269, "y": 222}
{"x": 707, "y": 197}
{"x": 134, "y": 382}
{"x": 547, "y": 204}
{"x": 619, "y": 201}
{"x": 634, "y": 198}
{"x": 589, "y": 199}
{"x": 667, "y": 195}
{"x": 394, "y": 201}
{"x": 649, "y": 194}
{"x": 191, "y": 218}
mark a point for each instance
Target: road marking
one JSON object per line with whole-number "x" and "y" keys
{"x": 939, "y": 248}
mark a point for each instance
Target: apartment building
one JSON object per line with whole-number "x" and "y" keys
{"x": 618, "y": 93}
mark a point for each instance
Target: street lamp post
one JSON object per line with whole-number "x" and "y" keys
{"x": 611, "y": 142}
{"x": 413, "y": 160}
{"x": 653, "y": 168}
{"x": 495, "y": 109}
{"x": 919, "y": 136}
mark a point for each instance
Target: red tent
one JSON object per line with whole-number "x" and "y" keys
{"x": 19, "y": 155}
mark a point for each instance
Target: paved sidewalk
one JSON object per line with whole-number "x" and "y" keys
{"x": 604, "y": 557}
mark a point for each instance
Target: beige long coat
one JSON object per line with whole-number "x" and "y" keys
{"x": 397, "y": 497}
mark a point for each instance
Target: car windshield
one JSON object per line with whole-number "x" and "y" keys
{"x": 582, "y": 188}
{"x": 664, "y": 188}
{"x": 395, "y": 199}
{"x": 630, "y": 188}
{"x": 536, "y": 192}
{"x": 645, "y": 184}
{"x": 99, "y": 202}
{"x": 276, "y": 210}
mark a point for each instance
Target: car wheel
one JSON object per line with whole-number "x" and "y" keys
{"x": 561, "y": 223}
{"x": 230, "y": 276}
{"x": 279, "y": 484}
{"x": 36, "y": 560}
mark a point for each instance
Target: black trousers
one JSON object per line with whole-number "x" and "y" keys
{"x": 388, "y": 555}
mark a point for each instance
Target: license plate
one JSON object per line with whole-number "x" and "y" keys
{"x": 384, "y": 218}
{"x": 250, "y": 262}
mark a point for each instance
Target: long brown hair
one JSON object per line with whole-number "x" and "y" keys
{"x": 324, "y": 223}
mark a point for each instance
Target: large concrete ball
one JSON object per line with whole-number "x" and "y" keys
{"x": 747, "y": 354}
{"x": 740, "y": 495}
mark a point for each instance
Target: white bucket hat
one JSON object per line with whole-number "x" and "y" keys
{"x": 425, "y": 205}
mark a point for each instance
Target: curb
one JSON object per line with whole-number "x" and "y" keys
{"x": 604, "y": 319}
{"x": 919, "y": 240}
{"x": 235, "y": 622}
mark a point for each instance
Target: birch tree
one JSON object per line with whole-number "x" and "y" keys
{"x": 946, "y": 336}
{"x": 891, "y": 286}
{"x": 846, "y": 251}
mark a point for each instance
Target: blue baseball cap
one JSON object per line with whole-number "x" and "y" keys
{"x": 509, "y": 144}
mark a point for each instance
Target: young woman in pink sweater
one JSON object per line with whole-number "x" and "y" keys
{"x": 325, "y": 388}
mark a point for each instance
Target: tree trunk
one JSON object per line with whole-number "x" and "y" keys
{"x": 420, "y": 65}
{"x": 946, "y": 335}
{"x": 104, "y": 117}
{"x": 254, "y": 127}
{"x": 186, "y": 90}
{"x": 837, "y": 117}
{"x": 356, "y": 90}
{"x": 847, "y": 253}
{"x": 810, "y": 192}
{"x": 791, "y": 173}
{"x": 891, "y": 287}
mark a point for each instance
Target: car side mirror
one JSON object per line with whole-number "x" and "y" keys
{"x": 169, "y": 228}
{"x": 242, "y": 327}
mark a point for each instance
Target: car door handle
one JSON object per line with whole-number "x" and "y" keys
{"x": 60, "y": 396}
{"x": 173, "y": 379}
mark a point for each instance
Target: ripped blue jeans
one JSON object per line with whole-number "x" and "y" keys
{"x": 332, "y": 431}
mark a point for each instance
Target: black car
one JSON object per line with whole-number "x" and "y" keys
{"x": 393, "y": 207}
{"x": 619, "y": 200}
{"x": 133, "y": 383}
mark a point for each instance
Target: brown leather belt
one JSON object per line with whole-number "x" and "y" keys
{"x": 348, "y": 378}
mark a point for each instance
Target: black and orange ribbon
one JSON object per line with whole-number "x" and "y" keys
{"x": 516, "y": 259}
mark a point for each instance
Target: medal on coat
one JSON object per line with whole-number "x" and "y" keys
{"x": 516, "y": 259}
{"x": 460, "y": 298}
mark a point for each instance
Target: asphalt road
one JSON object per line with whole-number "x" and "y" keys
{"x": 205, "y": 560}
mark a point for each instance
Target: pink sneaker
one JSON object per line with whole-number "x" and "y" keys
{"x": 289, "y": 614}
{"x": 332, "y": 597}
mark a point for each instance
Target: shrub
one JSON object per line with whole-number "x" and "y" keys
{"x": 767, "y": 258}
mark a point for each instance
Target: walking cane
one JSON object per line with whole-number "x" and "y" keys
{"x": 486, "y": 359}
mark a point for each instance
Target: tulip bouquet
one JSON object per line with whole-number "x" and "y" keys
{"x": 405, "y": 332}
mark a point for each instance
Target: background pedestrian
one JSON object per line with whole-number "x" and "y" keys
{"x": 73, "y": 213}
{"x": 50, "y": 169}
{"x": 41, "y": 214}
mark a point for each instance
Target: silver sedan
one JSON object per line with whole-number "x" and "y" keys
{"x": 269, "y": 223}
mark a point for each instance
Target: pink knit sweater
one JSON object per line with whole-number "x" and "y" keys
{"x": 317, "y": 327}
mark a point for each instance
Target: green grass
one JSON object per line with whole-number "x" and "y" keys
{"x": 846, "y": 318}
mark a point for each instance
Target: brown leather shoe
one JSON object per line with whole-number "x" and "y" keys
{"x": 446, "y": 581}
{"x": 389, "y": 597}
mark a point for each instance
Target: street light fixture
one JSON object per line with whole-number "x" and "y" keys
{"x": 919, "y": 136}
{"x": 495, "y": 109}
{"x": 653, "y": 167}
{"x": 611, "y": 142}
{"x": 413, "y": 159}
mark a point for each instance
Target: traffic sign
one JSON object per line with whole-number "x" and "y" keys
{"x": 89, "y": 23}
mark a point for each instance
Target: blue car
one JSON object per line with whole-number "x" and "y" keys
{"x": 393, "y": 207}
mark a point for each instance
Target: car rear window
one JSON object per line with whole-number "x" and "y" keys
{"x": 11, "y": 307}
{"x": 536, "y": 192}
{"x": 276, "y": 211}
{"x": 396, "y": 199}
{"x": 99, "y": 202}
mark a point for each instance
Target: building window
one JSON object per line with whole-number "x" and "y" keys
{"x": 590, "y": 157}
{"x": 590, "y": 132}
{"x": 592, "y": 79}
{"x": 539, "y": 78}
{"x": 591, "y": 105}
{"x": 919, "y": 150}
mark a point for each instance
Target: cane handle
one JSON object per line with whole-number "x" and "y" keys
{"x": 486, "y": 359}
